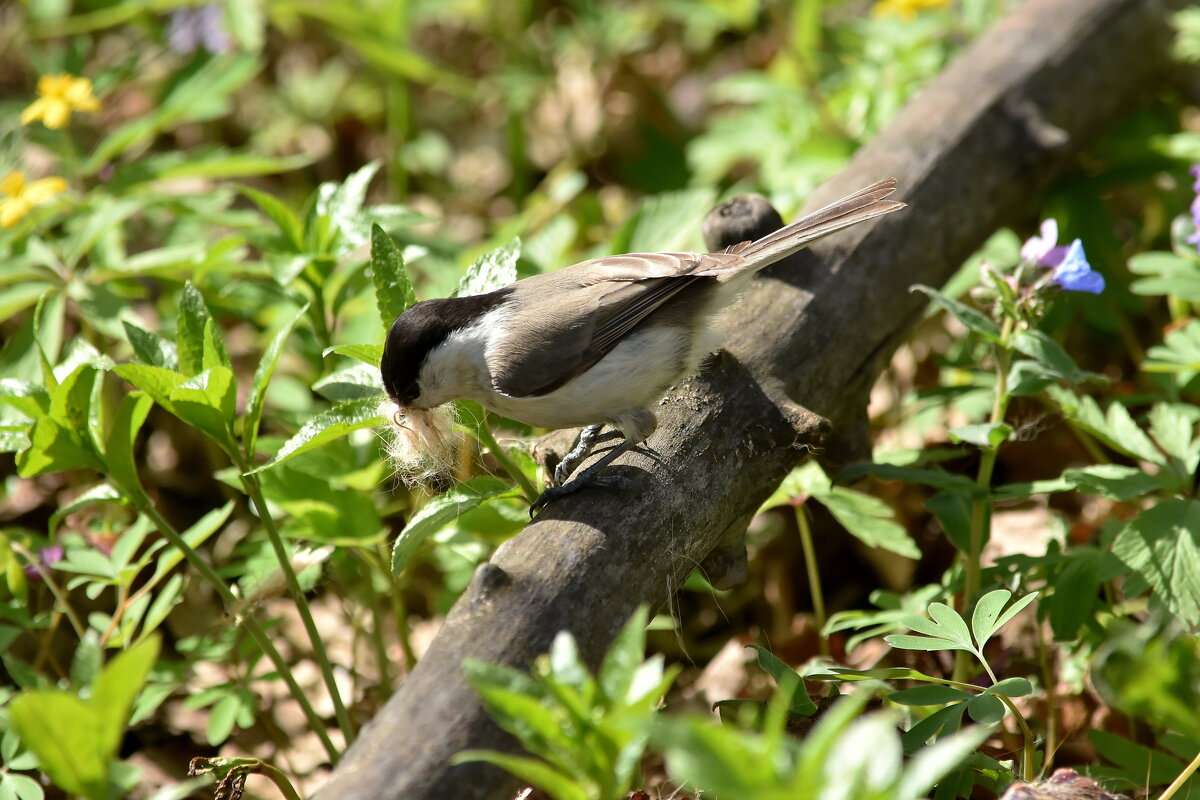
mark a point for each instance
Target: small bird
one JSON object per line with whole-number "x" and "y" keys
{"x": 593, "y": 343}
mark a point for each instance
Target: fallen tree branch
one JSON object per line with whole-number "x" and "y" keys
{"x": 971, "y": 153}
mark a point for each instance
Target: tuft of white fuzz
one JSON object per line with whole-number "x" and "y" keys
{"x": 422, "y": 444}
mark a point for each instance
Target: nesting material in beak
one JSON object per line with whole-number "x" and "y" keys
{"x": 423, "y": 444}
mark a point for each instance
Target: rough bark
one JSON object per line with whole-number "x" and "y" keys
{"x": 971, "y": 153}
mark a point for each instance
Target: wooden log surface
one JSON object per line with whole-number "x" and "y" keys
{"x": 972, "y": 152}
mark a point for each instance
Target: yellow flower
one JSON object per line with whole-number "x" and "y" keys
{"x": 905, "y": 9}
{"x": 60, "y": 95}
{"x": 19, "y": 198}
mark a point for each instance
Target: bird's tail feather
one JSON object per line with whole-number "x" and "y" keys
{"x": 863, "y": 205}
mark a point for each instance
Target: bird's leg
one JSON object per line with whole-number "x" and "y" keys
{"x": 587, "y": 441}
{"x": 588, "y": 477}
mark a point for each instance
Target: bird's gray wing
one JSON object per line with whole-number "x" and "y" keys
{"x": 595, "y": 305}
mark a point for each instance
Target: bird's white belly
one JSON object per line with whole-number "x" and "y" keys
{"x": 635, "y": 374}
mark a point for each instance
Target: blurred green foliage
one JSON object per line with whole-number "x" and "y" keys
{"x": 199, "y": 261}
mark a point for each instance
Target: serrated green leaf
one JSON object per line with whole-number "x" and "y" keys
{"x": 441, "y": 510}
{"x": 937, "y": 478}
{"x": 1162, "y": 547}
{"x": 393, "y": 289}
{"x": 870, "y": 520}
{"x": 151, "y": 349}
{"x": 207, "y": 402}
{"x": 974, "y": 320}
{"x": 1115, "y": 481}
{"x": 327, "y": 426}
{"x": 194, "y": 339}
{"x": 491, "y": 271}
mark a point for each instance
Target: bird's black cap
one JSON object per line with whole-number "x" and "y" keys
{"x": 421, "y": 328}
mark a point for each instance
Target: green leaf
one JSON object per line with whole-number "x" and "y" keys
{"x": 1162, "y": 547}
{"x": 290, "y": 227}
{"x": 114, "y": 691}
{"x": 624, "y": 656}
{"x": 441, "y": 510}
{"x": 987, "y": 611}
{"x": 988, "y": 435}
{"x": 1114, "y": 481}
{"x": 974, "y": 320}
{"x": 262, "y": 376}
{"x": 937, "y": 478}
{"x": 870, "y": 520}
{"x": 101, "y": 493}
{"x": 947, "y": 631}
{"x": 1008, "y": 614}
{"x": 556, "y": 784}
{"x": 669, "y": 221}
{"x": 196, "y": 338}
{"x": 151, "y": 349}
{"x": 367, "y": 353}
{"x": 1179, "y": 353}
{"x": 118, "y": 452}
{"x": 1115, "y": 427}
{"x": 65, "y": 733}
{"x": 931, "y": 764}
{"x": 1173, "y": 275}
{"x": 327, "y": 426}
{"x": 208, "y": 402}
{"x": 929, "y": 696}
{"x": 946, "y": 720}
{"x": 491, "y": 271}
{"x": 1050, "y": 354}
{"x": 74, "y": 740}
{"x": 986, "y": 709}
{"x": 789, "y": 682}
{"x": 393, "y": 289}
{"x": 354, "y": 382}
{"x": 1012, "y": 687}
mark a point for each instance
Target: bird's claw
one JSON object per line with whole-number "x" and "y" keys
{"x": 553, "y": 493}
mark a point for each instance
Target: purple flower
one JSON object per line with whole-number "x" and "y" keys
{"x": 48, "y": 556}
{"x": 1036, "y": 247}
{"x": 1074, "y": 273}
{"x": 202, "y": 26}
{"x": 1194, "y": 239}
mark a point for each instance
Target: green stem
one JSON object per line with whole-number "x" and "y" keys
{"x": 1027, "y": 752}
{"x": 814, "y": 575}
{"x": 249, "y": 623}
{"x": 59, "y": 596}
{"x": 367, "y": 564}
{"x": 1048, "y": 679}
{"x": 279, "y": 779}
{"x": 399, "y": 611}
{"x": 254, "y": 489}
{"x": 489, "y": 441}
{"x": 981, "y": 505}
